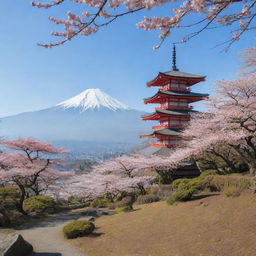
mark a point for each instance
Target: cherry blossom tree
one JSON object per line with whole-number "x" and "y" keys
{"x": 32, "y": 170}
{"x": 95, "y": 14}
{"x": 117, "y": 176}
{"x": 229, "y": 123}
{"x": 130, "y": 168}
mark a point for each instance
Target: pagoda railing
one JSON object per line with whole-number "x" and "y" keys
{"x": 158, "y": 127}
{"x": 167, "y": 106}
{"x": 163, "y": 145}
{"x": 164, "y": 126}
{"x": 175, "y": 89}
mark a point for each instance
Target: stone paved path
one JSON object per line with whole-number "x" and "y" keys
{"x": 46, "y": 236}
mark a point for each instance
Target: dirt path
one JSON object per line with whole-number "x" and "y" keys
{"x": 46, "y": 236}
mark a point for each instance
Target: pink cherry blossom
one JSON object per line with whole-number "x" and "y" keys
{"x": 31, "y": 169}
{"x": 96, "y": 14}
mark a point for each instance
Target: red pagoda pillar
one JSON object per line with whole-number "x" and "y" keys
{"x": 174, "y": 112}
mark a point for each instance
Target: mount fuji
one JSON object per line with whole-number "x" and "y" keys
{"x": 92, "y": 120}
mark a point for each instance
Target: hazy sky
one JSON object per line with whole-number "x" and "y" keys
{"x": 119, "y": 59}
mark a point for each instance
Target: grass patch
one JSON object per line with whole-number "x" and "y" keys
{"x": 124, "y": 209}
{"x": 222, "y": 182}
{"x": 232, "y": 191}
{"x": 147, "y": 199}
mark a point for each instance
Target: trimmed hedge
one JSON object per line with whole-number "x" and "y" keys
{"x": 78, "y": 228}
{"x": 40, "y": 204}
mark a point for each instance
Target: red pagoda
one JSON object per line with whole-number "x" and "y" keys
{"x": 174, "y": 97}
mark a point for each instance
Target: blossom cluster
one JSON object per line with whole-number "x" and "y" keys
{"x": 107, "y": 11}
{"x": 229, "y": 123}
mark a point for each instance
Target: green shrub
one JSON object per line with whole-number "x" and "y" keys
{"x": 177, "y": 182}
{"x": 9, "y": 193}
{"x": 232, "y": 191}
{"x": 147, "y": 199}
{"x": 78, "y": 228}
{"x": 180, "y": 195}
{"x": 186, "y": 184}
{"x": 99, "y": 203}
{"x": 123, "y": 209}
{"x": 208, "y": 173}
{"x": 40, "y": 204}
{"x": 186, "y": 188}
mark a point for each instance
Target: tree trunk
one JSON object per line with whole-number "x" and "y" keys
{"x": 19, "y": 204}
{"x": 142, "y": 190}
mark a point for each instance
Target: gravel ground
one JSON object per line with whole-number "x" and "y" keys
{"x": 46, "y": 236}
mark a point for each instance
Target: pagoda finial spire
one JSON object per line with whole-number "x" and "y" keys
{"x": 174, "y": 68}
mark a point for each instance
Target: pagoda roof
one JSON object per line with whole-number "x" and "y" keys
{"x": 179, "y": 94}
{"x": 182, "y": 74}
{"x": 170, "y": 112}
{"x": 168, "y": 131}
{"x": 175, "y": 74}
{"x": 177, "y": 112}
{"x": 164, "y": 132}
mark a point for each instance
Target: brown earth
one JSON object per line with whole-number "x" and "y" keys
{"x": 210, "y": 226}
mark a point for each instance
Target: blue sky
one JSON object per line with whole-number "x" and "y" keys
{"x": 119, "y": 59}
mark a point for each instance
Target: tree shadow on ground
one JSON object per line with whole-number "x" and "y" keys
{"x": 46, "y": 254}
{"x": 198, "y": 197}
{"x": 96, "y": 234}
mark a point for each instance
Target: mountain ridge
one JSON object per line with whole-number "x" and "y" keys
{"x": 75, "y": 125}
{"x": 93, "y": 99}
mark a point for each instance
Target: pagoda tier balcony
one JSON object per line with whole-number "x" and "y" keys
{"x": 163, "y": 145}
{"x": 175, "y": 89}
{"x": 162, "y": 97}
{"x": 167, "y": 106}
{"x": 164, "y": 126}
{"x": 159, "y": 127}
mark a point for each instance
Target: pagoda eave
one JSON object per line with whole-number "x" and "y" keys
{"x": 163, "y": 133}
{"x": 162, "y": 78}
{"x": 165, "y": 114}
{"x": 161, "y": 97}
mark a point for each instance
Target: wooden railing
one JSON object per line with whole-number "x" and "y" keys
{"x": 163, "y": 145}
{"x": 164, "y": 126}
{"x": 161, "y": 126}
{"x": 167, "y": 106}
{"x": 175, "y": 89}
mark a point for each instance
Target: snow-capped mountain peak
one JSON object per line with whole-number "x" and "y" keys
{"x": 93, "y": 99}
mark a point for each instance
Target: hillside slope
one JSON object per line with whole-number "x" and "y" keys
{"x": 212, "y": 226}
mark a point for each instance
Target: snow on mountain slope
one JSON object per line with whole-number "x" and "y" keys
{"x": 90, "y": 118}
{"x": 93, "y": 99}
